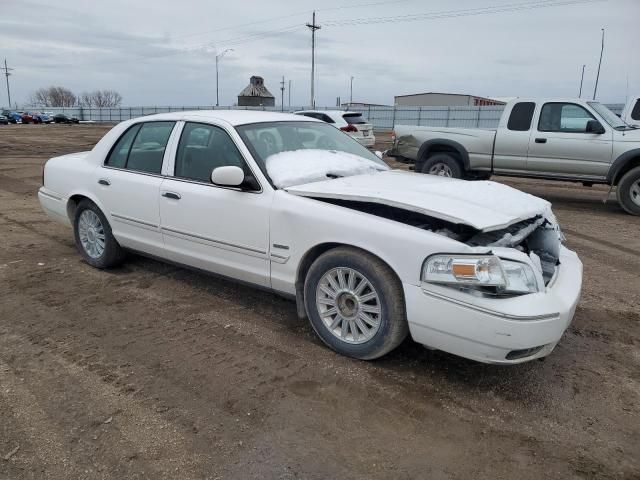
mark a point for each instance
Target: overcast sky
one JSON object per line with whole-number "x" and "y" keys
{"x": 161, "y": 52}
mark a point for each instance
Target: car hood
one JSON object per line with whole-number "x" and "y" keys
{"x": 483, "y": 205}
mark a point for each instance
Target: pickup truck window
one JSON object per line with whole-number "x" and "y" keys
{"x": 564, "y": 117}
{"x": 635, "y": 113}
{"x": 608, "y": 116}
{"x": 521, "y": 116}
{"x": 203, "y": 148}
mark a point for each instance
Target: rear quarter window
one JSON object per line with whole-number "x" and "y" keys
{"x": 635, "y": 113}
{"x": 521, "y": 116}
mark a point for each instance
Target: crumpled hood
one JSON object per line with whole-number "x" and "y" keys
{"x": 484, "y": 205}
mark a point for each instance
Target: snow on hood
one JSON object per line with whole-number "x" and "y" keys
{"x": 484, "y": 205}
{"x": 299, "y": 167}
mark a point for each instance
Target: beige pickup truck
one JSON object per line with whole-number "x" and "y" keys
{"x": 573, "y": 140}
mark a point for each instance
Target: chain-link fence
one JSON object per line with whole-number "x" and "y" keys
{"x": 382, "y": 118}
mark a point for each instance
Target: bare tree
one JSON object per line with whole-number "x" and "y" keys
{"x": 53, "y": 97}
{"x": 100, "y": 98}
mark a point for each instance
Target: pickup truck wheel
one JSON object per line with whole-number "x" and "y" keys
{"x": 93, "y": 237}
{"x": 628, "y": 191}
{"x": 442, "y": 164}
{"x": 355, "y": 303}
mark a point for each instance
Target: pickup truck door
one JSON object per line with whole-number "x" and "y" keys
{"x": 128, "y": 185}
{"x": 219, "y": 229}
{"x": 512, "y": 139}
{"x": 561, "y": 146}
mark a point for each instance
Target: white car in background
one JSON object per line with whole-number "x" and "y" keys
{"x": 352, "y": 123}
{"x": 370, "y": 254}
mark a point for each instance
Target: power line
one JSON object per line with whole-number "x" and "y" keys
{"x": 457, "y": 13}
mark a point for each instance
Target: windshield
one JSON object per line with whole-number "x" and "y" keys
{"x": 318, "y": 150}
{"x": 608, "y": 116}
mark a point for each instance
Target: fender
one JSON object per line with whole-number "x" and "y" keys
{"x": 90, "y": 196}
{"x": 429, "y": 144}
{"x": 619, "y": 163}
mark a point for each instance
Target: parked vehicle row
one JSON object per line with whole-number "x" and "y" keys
{"x": 292, "y": 204}
{"x": 562, "y": 139}
{"x": 35, "y": 117}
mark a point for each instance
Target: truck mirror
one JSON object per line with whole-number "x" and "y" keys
{"x": 594, "y": 126}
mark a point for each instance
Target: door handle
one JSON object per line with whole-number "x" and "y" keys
{"x": 541, "y": 140}
{"x": 104, "y": 181}
{"x": 173, "y": 195}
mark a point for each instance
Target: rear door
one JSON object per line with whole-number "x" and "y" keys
{"x": 129, "y": 185}
{"x": 561, "y": 146}
{"x": 221, "y": 229}
{"x": 512, "y": 140}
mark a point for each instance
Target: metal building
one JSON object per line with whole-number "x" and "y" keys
{"x": 256, "y": 94}
{"x": 436, "y": 99}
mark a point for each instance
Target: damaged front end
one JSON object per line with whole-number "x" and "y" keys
{"x": 539, "y": 238}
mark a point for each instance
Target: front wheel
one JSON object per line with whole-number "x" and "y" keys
{"x": 628, "y": 191}
{"x": 355, "y": 303}
{"x": 93, "y": 237}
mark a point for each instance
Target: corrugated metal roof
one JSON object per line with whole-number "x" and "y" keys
{"x": 256, "y": 88}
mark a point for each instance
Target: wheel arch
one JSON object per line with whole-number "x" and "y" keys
{"x": 75, "y": 198}
{"x": 311, "y": 255}
{"x": 621, "y": 165}
{"x": 443, "y": 145}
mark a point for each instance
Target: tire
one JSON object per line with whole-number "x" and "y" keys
{"x": 442, "y": 162}
{"x": 111, "y": 254}
{"x": 375, "y": 333}
{"x": 628, "y": 191}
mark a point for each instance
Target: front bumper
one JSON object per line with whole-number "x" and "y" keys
{"x": 496, "y": 330}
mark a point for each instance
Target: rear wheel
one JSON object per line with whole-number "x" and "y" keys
{"x": 355, "y": 303}
{"x": 628, "y": 191}
{"x": 93, "y": 237}
{"x": 442, "y": 164}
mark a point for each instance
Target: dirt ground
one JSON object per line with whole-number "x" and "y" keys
{"x": 154, "y": 371}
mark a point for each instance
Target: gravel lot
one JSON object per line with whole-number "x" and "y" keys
{"x": 154, "y": 371}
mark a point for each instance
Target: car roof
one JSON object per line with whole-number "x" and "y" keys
{"x": 233, "y": 117}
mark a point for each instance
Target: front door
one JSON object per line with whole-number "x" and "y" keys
{"x": 223, "y": 230}
{"x": 561, "y": 145}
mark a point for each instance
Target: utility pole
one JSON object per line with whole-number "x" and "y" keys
{"x": 218, "y": 57}
{"x": 351, "y": 92}
{"x": 282, "y": 94}
{"x": 6, "y": 74}
{"x": 581, "y": 80}
{"x": 313, "y": 27}
{"x": 289, "y": 102}
{"x": 595, "y": 88}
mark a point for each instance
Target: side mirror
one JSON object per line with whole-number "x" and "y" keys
{"x": 594, "y": 126}
{"x": 378, "y": 154}
{"x": 229, "y": 176}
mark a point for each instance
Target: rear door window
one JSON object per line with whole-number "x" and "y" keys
{"x": 521, "y": 116}
{"x": 148, "y": 148}
{"x": 354, "y": 118}
{"x": 120, "y": 152}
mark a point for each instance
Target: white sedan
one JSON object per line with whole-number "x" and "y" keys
{"x": 370, "y": 254}
{"x": 352, "y": 123}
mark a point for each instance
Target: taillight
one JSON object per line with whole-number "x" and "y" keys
{"x": 349, "y": 128}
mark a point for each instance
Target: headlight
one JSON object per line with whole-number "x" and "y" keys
{"x": 477, "y": 271}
